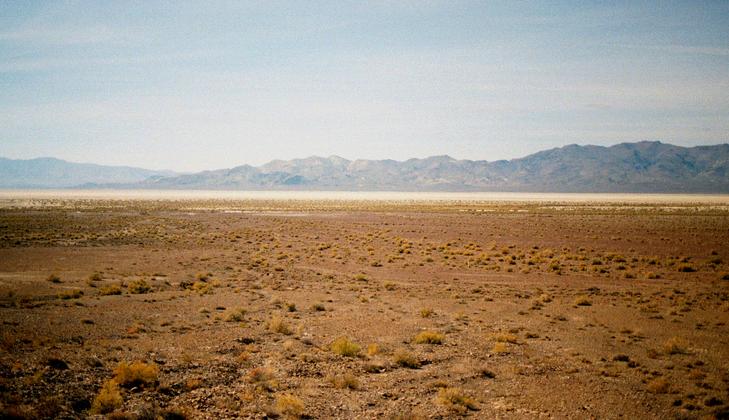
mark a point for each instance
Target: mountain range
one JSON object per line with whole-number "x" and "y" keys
{"x": 642, "y": 167}
{"x": 57, "y": 173}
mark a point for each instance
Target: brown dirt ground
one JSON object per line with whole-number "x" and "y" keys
{"x": 545, "y": 311}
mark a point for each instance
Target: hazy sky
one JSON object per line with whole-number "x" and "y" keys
{"x": 211, "y": 84}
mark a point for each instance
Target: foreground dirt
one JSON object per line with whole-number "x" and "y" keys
{"x": 534, "y": 311}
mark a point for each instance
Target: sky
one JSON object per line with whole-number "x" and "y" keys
{"x": 200, "y": 85}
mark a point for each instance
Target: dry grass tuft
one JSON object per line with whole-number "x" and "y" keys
{"x": 583, "y": 301}
{"x": 345, "y": 381}
{"x": 373, "y": 349}
{"x": 675, "y": 345}
{"x": 289, "y": 406}
{"x": 406, "y": 359}
{"x": 429, "y": 337}
{"x": 136, "y": 374}
{"x": 262, "y": 377}
{"x": 500, "y": 348}
{"x": 108, "y": 399}
{"x": 502, "y": 337}
{"x": 343, "y": 347}
{"x": 139, "y": 287}
{"x": 455, "y": 399}
{"x": 659, "y": 386}
{"x": 278, "y": 324}
{"x": 113, "y": 289}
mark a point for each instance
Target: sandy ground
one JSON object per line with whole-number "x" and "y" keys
{"x": 230, "y": 309}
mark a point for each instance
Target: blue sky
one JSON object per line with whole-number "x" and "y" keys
{"x": 204, "y": 85}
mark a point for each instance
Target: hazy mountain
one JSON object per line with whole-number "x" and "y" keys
{"x": 56, "y": 173}
{"x": 626, "y": 167}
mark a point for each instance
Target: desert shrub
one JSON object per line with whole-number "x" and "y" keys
{"x": 290, "y": 406}
{"x": 406, "y": 359}
{"x": 429, "y": 337}
{"x": 262, "y": 377}
{"x": 136, "y": 374}
{"x": 583, "y": 301}
{"x": 108, "y": 399}
{"x": 53, "y": 278}
{"x": 71, "y": 294}
{"x": 279, "y": 325}
{"x": 504, "y": 337}
{"x": 95, "y": 277}
{"x": 426, "y": 312}
{"x": 193, "y": 383}
{"x": 659, "y": 386}
{"x": 343, "y": 347}
{"x": 455, "y": 399}
{"x": 138, "y": 287}
{"x": 500, "y": 347}
{"x": 319, "y": 307}
{"x": 373, "y": 349}
{"x": 113, "y": 289}
{"x": 686, "y": 268}
{"x": 675, "y": 345}
{"x": 236, "y": 316}
{"x": 345, "y": 381}
{"x": 202, "y": 287}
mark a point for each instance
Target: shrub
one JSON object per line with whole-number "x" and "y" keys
{"x": 236, "y": 316}
{"x": 406, "y": 359}
{"x": 113, "y": 289}
{"x": 139, "y": 287}
{"x": 53, "y": 278}
{"x": 278, "y": 324}
{"x": 659, "y": 386}
{"x": 262, "y": 377}
{"x": 500, "y": 347}
{"x": 108, "y": 399}
{"x": 675, "y": 345}
{"x": 346, "y": 381}
{"x": 319, "y": 307}
{"x": 503, "y": 337}
{"x": 95, "y": 277}
{"x": 426, "y": 312}
{"x": 373, "y": 349}
{"x": 361, "y": 277}
{"x": 429, "y": 337}
{"x": 290, "y": 406}
{"x": 71, "y": 294}
{"x": 136, "y": 374}
{"x": 343, "y": 347}
{"x": 454, "y": 399}
{"x": 583, "y": 301}
{"x": 686, "y": 268}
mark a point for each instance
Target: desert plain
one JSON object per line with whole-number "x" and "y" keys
{"x": 204, "y": 308}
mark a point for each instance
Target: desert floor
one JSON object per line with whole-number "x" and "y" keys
{"x": 349, "y": 309}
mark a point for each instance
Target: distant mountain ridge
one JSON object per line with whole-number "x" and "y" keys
{"x": 642, "y": 167}
{"x": 648, "y": 167}
{"x": 57, "y": 173}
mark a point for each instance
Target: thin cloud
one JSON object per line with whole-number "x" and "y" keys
{"x": 68, "y": 36}
{"x": 682, "y": 49}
